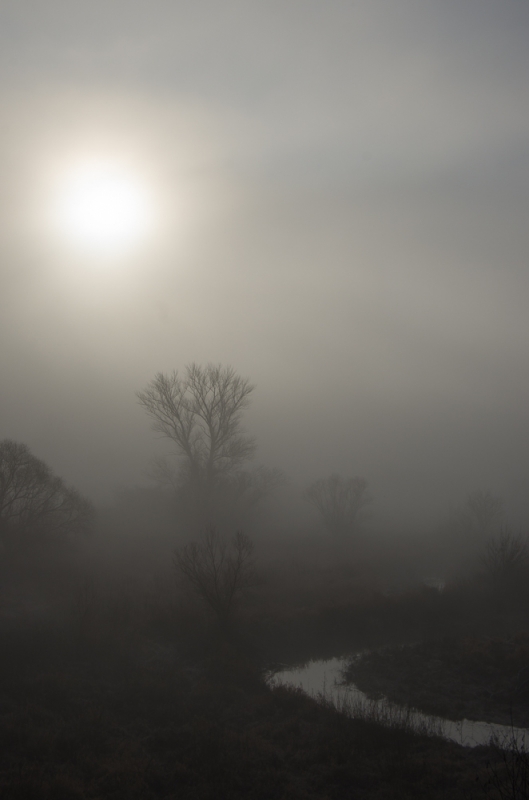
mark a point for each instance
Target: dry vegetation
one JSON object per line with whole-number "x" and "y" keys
{"x": 119, "y": 677}
{"x": 463, "y": 678}
{"x": 81, "y": 721}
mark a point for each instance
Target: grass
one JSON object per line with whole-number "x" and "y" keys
{"x": 456, "y": 677}
{"x": 390, "y": 715}
{"x": 79, "y": 722}
{"x": 509, "y": 772}
{"x": 135, "y": 696}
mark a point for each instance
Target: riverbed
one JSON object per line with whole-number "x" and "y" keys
{"x": 324, "y": 680}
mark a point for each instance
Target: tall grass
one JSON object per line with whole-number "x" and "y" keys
{"x": 379, "y": 712}
{"x": 390, "y": 715}
{"x": 509, "y": 773}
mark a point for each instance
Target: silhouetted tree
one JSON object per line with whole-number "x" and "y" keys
{"x": 509, "y": 772}
{"x": 218, "y": 569}
{"x": 507, "y": 556}
{"x": 201, "y": 414}
{"x": 339, "y": 502}
{"x": 482, "y": 512}
{"x": 34, "y": 503}
{"x": 468, "y": 528}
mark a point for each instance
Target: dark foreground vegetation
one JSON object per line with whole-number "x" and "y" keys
{"x": 457, "y": 678}
{"x": 82, "y": 719}
{"x": 114, "y": 688}
{"x": 135, "y": 641}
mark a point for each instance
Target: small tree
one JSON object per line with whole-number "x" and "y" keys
{"x": 218, "y": 570}
{"x": 34, "y": 503}
{"x": 339, "y": 502}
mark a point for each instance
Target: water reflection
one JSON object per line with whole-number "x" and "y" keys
{"x": 324, "y": 678}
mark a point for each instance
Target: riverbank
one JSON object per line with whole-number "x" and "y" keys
{"x": 140, "y": 723}
{"x": 456, "y": 678}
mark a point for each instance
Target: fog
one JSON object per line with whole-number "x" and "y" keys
{"x": 264, "y": 399}
{"x": 341, "y": 194}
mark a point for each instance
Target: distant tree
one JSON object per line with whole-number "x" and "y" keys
{"x": 34, "y": 503}
{"x": 218, "y": 569}
{"x": 339, "y": 502}
{"x": 507, "y": 556}
{"x": 200, "y": 413}
{"x": 482, "y": 512}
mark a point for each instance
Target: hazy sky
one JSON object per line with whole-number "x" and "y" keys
{"x": 341, "y": 200}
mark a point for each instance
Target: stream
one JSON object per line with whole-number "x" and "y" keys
{"x": 324, "y": 679}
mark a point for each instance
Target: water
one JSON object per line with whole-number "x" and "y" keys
{"x": 324, "y": 679}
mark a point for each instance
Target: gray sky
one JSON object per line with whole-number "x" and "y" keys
{"x": 342, "y": 194}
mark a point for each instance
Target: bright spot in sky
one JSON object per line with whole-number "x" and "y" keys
{"x": 103, "y": 209}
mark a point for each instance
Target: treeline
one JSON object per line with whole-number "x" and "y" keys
{"x": 207, "y": 531}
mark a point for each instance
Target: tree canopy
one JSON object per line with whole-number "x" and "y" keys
{"x": 200, "y": 412}
{"x": 218, "y": 569}
{"x": 34, "y": 501}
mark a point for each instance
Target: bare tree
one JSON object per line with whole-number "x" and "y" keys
{"x": 508, "y": 774}
{"x": 482, "y": 512}
{"x": 507, "y": 556}
{"x": 33, "y": 501}
{"x": 217, "y": 569}
{"x": 339, "y": 501}
{"x": 200, "y": 413}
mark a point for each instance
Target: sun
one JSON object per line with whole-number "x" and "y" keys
{"x": 102, "y": 208}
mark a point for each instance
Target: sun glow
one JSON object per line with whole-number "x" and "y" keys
{"x": 102, "y": 208}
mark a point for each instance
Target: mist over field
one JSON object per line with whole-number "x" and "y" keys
{"x": 264, "y": 398}
{"x": 341, "y": 199}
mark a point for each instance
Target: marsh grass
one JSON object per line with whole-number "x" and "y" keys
{"x": 141, "y": 698}
{"x": 389, "y": 715}
{"x": 77, "y": 724}
{"x": 355, "y": 705}
{"x": 509, "y": 772}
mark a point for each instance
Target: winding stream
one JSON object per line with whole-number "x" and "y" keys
{"x": 324, "y": 678}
